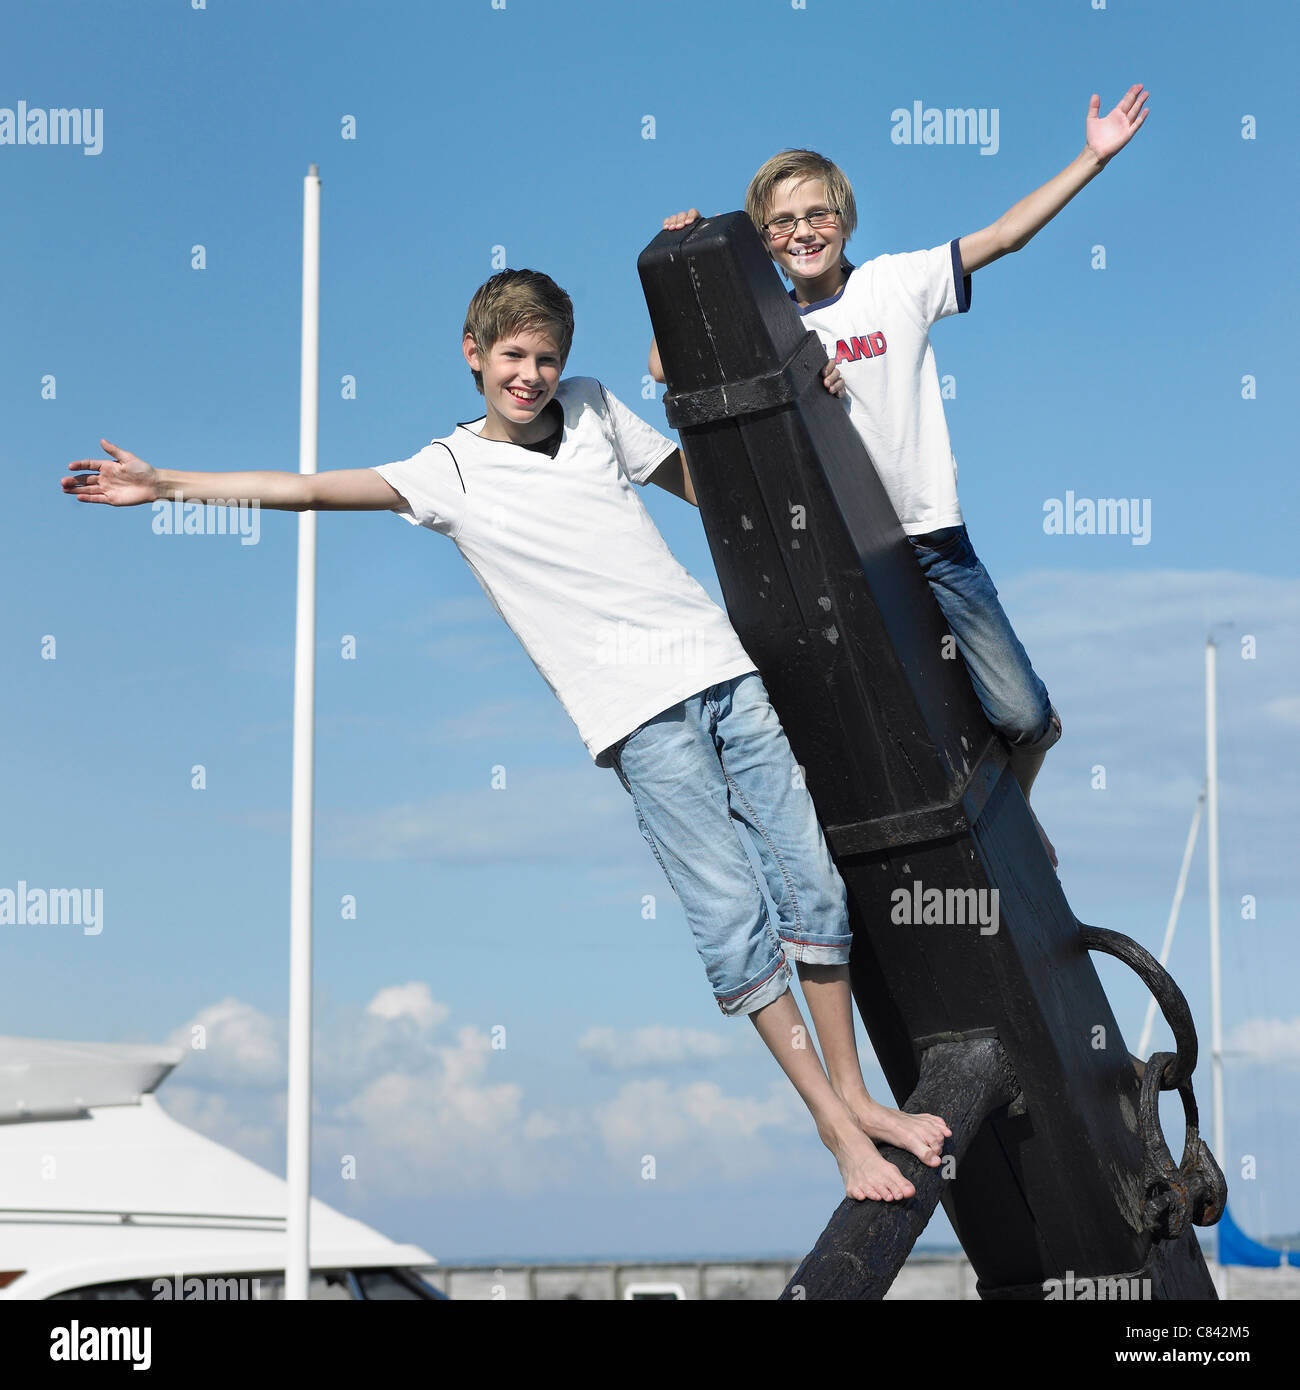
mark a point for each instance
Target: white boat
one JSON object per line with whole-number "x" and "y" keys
{"x": 104, "y": 1196}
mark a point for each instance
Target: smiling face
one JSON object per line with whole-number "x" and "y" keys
{"x": 812, "y": 257}
{"x": 520, "y": 375}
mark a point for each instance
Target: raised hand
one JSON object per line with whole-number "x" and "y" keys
{"x": 1107, "y": 135}
{"x": 121, "y": 481}
{"x": 678, "y": 220}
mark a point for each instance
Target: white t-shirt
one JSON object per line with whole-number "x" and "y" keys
{"x": 877, "y": 330}
{"x": 568, "y": 555}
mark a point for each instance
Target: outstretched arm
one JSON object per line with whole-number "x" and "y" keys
{"x": 1106, "y": 136}
{"x": 123, "y": 480}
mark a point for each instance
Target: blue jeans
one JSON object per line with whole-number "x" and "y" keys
{"x": 1012, "y": 695}
{"x": 693, "y": 770}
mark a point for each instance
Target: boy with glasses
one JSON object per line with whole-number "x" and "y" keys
{"x": 537, "y": 495}
{"x": 874, "y": 321}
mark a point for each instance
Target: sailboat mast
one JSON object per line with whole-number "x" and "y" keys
{"x": 1212, "y": 828}
{"x": 1180, "y": 888}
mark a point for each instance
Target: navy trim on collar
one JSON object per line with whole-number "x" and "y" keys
{"x": 822, "y": 303}
{"x": 550, "y": 444}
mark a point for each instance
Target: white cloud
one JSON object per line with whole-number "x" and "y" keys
{"x": 234, "y": 1043}
{"x": 421, "y": 1108}
{"x": 696, "y": 1132}
{"x": 656, "y": 1046}
{"x": 415, "y": 1108}
{"x": 457, "y": 1127}
{"x": 1266, "y": 1040}
{"x": 414, "y": 1001}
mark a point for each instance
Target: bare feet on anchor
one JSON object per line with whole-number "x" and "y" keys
{"x": 922, "y": 1135}
{"x": 867, "y": 1176}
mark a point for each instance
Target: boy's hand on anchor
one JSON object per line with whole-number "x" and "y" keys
{"x": 832, "y": 380}
{"x": 678, "y": 220}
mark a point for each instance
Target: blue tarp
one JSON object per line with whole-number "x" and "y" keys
{"x": 1237, "y": 1248}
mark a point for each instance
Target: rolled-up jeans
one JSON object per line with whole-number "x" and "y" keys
{"x": 693, "y": 771}
{"x": 1013, "y": 696}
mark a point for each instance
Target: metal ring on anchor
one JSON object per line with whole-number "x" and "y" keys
{"x": 1170, "y": 998}
{"x": 1194, "y": 1189}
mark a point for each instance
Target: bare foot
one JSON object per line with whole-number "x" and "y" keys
{"x": 922, "y": 1135}
{"x": 867, "y": 1176}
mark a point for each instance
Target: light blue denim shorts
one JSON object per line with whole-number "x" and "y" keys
{"x": 693, "y": 771}
{"x": 1013, "y": 696}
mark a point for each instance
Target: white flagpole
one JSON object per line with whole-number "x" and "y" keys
{"x": 1212, "y": 835}
{"x": 298, "y": 1160}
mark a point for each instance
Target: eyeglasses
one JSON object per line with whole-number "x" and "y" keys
{"x": 780, "y": 227}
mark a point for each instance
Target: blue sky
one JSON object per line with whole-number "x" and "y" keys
{"x": 522, "y": 128}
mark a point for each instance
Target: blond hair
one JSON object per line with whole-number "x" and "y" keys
{"x": 518, "y": 301}
{"x": 800, "y": 165}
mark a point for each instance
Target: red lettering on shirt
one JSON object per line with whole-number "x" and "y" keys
{"x": 856, "y": 348}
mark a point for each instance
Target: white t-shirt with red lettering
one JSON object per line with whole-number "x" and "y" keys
{"x": 568, "y": 555}
{"x": 877, "y": 330}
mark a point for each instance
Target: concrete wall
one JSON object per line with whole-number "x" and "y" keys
{"x": 932, "y": 1277}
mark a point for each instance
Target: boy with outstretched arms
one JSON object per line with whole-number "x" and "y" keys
{"x": 874, "y": 321}
{"x": 537, "y": 494}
